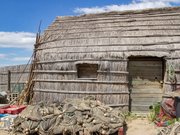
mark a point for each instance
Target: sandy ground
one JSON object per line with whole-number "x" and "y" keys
{"x": 139, "y": 126}
{"x": 2, "y": 132}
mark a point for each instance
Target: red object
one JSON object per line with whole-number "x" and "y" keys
{"x": 162, "y": 117}
{"x": 168, "y": 107}
{"x": 12, "y": 109}
{"x": 166, "y": 113}
{"x": 121, "y": 131}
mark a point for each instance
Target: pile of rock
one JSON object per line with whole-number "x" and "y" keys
{"x": 77, "y": 116}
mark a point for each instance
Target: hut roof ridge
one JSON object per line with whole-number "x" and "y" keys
{"x": 126, "y": 12}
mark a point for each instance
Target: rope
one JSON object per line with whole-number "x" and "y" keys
{"x": 28, "y": 93}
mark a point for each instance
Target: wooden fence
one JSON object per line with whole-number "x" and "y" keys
{"x": 13, "y": 78}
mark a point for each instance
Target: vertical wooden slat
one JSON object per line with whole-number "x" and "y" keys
{"x": 9, "y": 81}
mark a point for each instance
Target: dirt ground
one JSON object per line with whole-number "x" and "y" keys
{"x": 2, "y": 132}
{"x": 139, "y": 126}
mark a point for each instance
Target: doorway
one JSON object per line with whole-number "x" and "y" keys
{"x": 146, "y": 78}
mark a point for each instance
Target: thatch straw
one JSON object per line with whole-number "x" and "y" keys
{"x": 108, "y": 40}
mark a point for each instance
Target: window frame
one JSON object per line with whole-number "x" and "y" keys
{"x": 96, "y": 67}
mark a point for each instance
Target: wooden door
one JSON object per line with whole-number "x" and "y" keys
{"x": 145, "y": 76}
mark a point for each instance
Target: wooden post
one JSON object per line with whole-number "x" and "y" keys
{"x": 9, "y": 81}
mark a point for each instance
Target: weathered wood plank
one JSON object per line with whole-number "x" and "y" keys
{"x": 140, "y": 108}
{"x": 147, "y": 90}
{"x": 78, "y": 92}
{"x": 146, "y": 95}
{"x": 81, "y": 81}
{"x": 148, "y": 101}
{"x": 55, "y": 71}
{"x": 113, "y": 72}
{"x": 78, "y": 60}
{"x": 146, "y": 74}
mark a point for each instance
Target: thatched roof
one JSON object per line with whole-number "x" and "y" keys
{"x": 153, "y": 32}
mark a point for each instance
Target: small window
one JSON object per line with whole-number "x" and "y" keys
{"x": 88, "y": 71}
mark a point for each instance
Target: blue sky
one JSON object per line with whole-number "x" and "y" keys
{"x": 19, "y": 20}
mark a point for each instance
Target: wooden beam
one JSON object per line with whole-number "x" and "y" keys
{"x": 87, "y": 79}
{"x": 113, "y": 72}
{"x": 140, "y": 105}
{"x": 72, "y": 71}
{"x": 79, "y": 92}
{"x": 81, "y": 81}
{"x": 76, "y": 60}
{"x": 54, "y": 71}
{"x": 116, "y": 105}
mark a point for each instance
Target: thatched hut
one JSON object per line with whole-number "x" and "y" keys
{"x": 127, "y": 59}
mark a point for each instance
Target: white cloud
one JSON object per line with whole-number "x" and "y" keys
{"x": 20, "y": 59}
{"x": 134, "y": 5}
{"x": 17, "y": 40}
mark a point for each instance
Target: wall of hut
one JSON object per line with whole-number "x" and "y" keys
{"x": 13, "y": 78}
{"x": 109, "y": 40}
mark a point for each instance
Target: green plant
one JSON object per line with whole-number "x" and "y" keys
{"x": 130, "y": 116}
{"x": 154, "y": 111}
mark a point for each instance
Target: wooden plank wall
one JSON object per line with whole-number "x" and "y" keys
{"x": 17, "y": 75}
{"x": 146, "y": 75}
